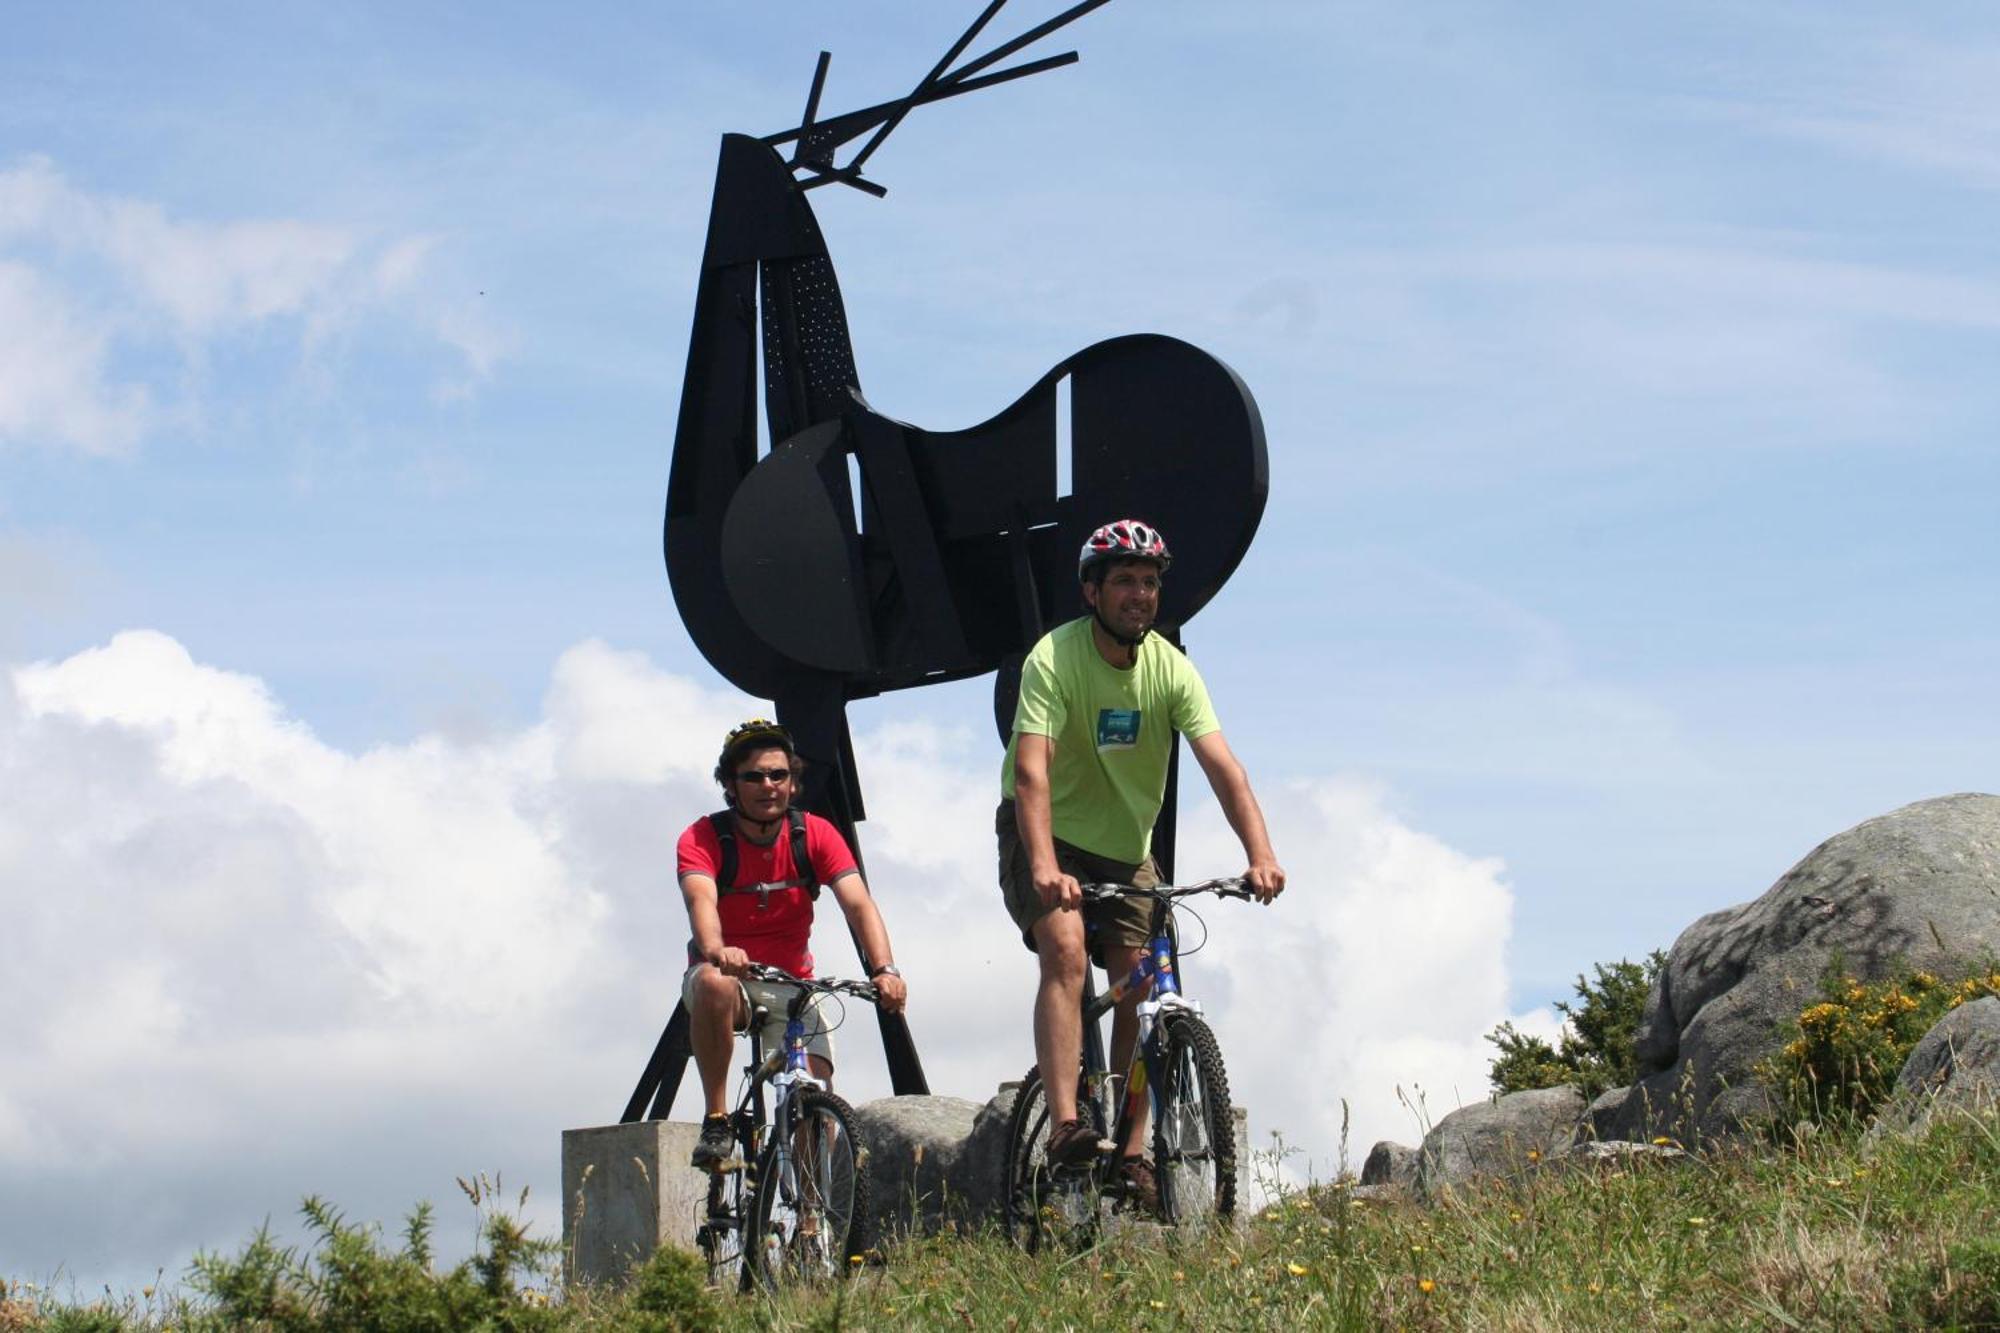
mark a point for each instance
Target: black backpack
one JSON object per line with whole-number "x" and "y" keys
{"x": 724, "y": 823}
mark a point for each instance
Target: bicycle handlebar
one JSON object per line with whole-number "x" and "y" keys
{"x": 1228, "y": 886}
{"x": 860, "y": 990}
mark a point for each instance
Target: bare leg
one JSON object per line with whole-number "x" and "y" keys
{"x": 1125, "y": 1035}
{"x": 1059, "y": 1009}
{"x": 718, "y": 1012}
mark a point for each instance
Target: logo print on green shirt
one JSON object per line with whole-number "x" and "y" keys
{"x": 1117, "y": 728}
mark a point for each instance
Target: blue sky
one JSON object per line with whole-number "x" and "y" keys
{"x": 1626, "y": 375}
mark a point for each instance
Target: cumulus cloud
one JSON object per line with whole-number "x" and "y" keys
{"x": 246, "y": 965}
{"x": 92, "y": 285}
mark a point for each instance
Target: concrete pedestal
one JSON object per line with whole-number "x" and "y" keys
{"x": 627, "y": 1190}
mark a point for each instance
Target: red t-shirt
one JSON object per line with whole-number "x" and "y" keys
{"x": 776, "y": 932}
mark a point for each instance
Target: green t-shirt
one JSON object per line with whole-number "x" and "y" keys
{"x": 1113, "y": 731}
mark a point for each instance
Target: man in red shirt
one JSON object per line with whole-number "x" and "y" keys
{"x": 764, "y": 914}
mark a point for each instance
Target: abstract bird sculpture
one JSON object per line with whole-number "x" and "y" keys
{"x": 959, "y": 550}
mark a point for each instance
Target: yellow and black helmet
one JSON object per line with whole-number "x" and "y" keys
{"x": 759, "y": 733}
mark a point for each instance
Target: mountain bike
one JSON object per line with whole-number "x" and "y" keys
{"x": 799, "y": 1213}
{"x": 1176, "y": 1064}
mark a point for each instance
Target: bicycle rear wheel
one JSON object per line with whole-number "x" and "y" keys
{"x": 1042, "y": 1204}
{"x": 809, "y": 1214}
{"x": 1194, "y": 1135}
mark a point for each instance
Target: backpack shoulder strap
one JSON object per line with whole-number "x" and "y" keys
{"x": 724, "y": 824}
{"x": 802, "y": 866}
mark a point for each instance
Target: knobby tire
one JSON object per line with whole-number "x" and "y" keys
{"x": 1037, "y": 1208}
{"x": 1194, "y": 1132}
{"x": 810, "y": 1208}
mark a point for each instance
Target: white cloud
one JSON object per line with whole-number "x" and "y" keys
{"x": 53, "y": 379}
{"x": 1372, "y": 980}
{"x": 245, "y": 964}
{"x": 92, "y": 285}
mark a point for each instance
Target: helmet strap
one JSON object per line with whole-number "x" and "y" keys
{"x": 760, "y": 831}
{"x": 1121, "y": 640}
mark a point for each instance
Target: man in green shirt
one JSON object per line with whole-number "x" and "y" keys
{"x": 1084, "y": 779}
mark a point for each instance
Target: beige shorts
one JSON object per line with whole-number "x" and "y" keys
{"x": 1122, "y": 921}
{"x": 775, "y": 998}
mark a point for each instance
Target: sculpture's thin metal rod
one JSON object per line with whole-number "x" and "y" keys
{"x": 852, "y": 124}
{"x": 929, "y": 80}
{"x": 819, "y": 86}
{"x": 1034, "y": 34}
{"x": 844, "y": 176}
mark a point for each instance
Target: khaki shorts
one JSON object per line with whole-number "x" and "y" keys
{"x": 1122, "y": 921}
{"x": 774, "y": 997}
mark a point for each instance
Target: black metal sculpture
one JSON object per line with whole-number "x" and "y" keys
{"x": 959, "y": 550}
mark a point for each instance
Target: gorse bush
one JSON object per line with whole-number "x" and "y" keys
{"x": 1595, "y": 1051}
{"x": 1853, "y": 1042}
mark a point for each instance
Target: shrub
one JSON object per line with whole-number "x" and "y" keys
{"x": 1596, "y": 1047}
{"x": 670, "y": 1294}
{"x": 351, "y": 1282}
{"x": 1853, "y": 1042}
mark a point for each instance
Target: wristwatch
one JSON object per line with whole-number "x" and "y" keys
{"x": 887, "y": 969}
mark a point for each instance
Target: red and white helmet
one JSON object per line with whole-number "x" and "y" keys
{"x": 1126, "y": 539}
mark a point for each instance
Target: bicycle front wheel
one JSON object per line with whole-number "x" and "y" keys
{"x": 1194, "y": 1133}
{"x": 809, "y": 1217}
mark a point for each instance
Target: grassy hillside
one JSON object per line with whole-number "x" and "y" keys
{"x": 1828, "y": 1232}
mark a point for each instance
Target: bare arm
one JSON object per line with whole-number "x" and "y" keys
{"x": 698, "y": 891}
{"x": 1034, "y": 817}
{"x": 1239, "y": 805}
{"x": 851, "y": 892}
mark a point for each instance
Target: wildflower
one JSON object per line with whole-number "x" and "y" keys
{"x": 1534, "y": 1154}
{"x": 1697, "y": 1221}
{"x": 1416, "y": 1249}
{"x": 1157, "y": 1305}
{"x": 854, "y": 1259}
{"x": 1662, "y": 1141}
{"x": 1835, "y": 1182}
{"x": 1595, "y": 1288}
{"x": 1179, "y": 1276}
{"x": 1513, "y": 1217}
{"x": 1426, "y": 1286}
{"x": 1297, "y": 1270}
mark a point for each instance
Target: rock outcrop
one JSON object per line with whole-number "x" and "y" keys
{"x": 1390, "y": 1164}
{"x": 933, "y": 1160}
{"x": 1917, "y": 887}
{"x": 1957, "y": 1064}
{"x": 1504, "y": 1137}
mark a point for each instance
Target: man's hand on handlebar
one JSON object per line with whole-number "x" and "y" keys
{"x": 890, "y": 992}
{"x": 731, "y": 962}
{"x": 1266, "y": 879}
{"x": 1058, "y": 890}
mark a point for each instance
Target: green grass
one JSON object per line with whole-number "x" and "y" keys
{"x": 1827, "y": 1232}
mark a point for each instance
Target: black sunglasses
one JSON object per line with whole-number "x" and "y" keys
{"x": 765, "y": 775}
